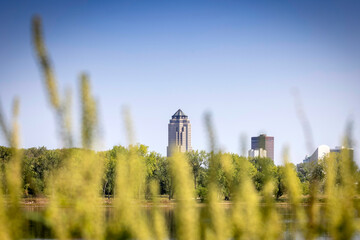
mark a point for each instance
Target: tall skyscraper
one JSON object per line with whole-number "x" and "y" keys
{"x": 179, "y": 133}
{"x": 264, "y": 142}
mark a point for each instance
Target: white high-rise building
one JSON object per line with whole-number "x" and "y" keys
{"x": 179, "y": 138}
{"x": 323, "y": 151}
{"x": 320, "y": 152}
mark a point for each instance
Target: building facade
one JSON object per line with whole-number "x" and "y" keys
{"x": 254, "y": 153}
{"x": 264, "y": 144}
{"x": 179, "y": 129}
{"x": 320, "y": 152}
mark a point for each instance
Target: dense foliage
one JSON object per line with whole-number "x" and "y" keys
{"x": 39, "y": 163}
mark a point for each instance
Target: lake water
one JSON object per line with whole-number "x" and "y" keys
{"x": 36, "y": 228}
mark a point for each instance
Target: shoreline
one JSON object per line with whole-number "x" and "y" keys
{"x": 42, "y": 202}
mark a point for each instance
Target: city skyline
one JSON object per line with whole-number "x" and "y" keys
{"x": 240, "y": 61}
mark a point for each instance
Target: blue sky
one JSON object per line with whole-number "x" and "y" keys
{"x": 239, "y": 60}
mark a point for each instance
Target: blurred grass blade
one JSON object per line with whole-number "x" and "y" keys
{"x": 293, "y": 187}
{"x": 40, "y": 48}
{"x": 186, "y": 216}
{"x": 89, "y": 115}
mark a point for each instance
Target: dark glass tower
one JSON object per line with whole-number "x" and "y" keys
{"x": 264, "y": 142}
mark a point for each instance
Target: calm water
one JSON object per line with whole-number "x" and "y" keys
{"x": 36, "y": 227}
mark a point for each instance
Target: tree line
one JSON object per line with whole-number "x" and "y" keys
{"x": 38, "y": 164}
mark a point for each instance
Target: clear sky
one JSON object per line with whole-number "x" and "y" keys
{"x": 240, "y": 60}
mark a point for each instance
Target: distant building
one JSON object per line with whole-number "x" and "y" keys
{"x": 320, "y": 152}
{"x": 323, "y": 151}
{"x": 179, "y": 138}
{"x": 338, "y": 149}
{"x": 263, "y": 146}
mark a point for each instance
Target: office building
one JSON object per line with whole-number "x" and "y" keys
{"x": 179, "y": 129}
{"x": 265, "y": 146}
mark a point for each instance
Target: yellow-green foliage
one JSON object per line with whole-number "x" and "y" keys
{"x": 271, "y": 223}
{"x": 340, "y": 191}
{"x": 186, "y": 215}
{"x": 246, "y": 212}
{"x": 11, "y": 207}
{"x": 129, "y": 221}
{"x": 333, "y": 203}
{"x": 74, "y": 197}
{"x": 217, "y": 227}
{"x": 88, "y": 113}
{"x": 50, "y": 81}
{"x": 293, "y": 186}
{"x": 75, "y": 206}
{"x": 157, "y": 219}
{"x": 62, "y": 109}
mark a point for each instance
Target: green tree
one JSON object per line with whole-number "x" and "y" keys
{"x": 280, "y": 185}
{"x": 303, "y": 171}
{"x": 164, "y": 177}
{"x": 266, "y": 171}
{"x": 37, "y": 165}
{"x": 110, "y": 161}
{"x": 197, "y": 160}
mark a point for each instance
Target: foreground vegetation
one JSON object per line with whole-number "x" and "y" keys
{"x": 75, "y": 179}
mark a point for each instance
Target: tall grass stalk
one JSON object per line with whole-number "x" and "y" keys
{"x": 89, "y": 116}
{"x": 313, "y": 224}
{"x": 66, "y": 188}
{"x": 62, "y": 109}
{"x": 186, "y": 213}
{"x": 271, "y": 222}
{"x": 293, "y": 186}
{"x": 11, "y": 206}
{"x": 333, "y": 202}
{"x": 245, "y": 217}
{"x": 217, "y": 227}
{"x": 157, "y": 223}
{"x": 129, "y": 220}
{"x": 74, "y": 209}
